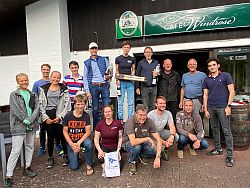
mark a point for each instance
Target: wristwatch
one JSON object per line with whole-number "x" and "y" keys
{"x": 229, "y": 105}
{"x": 158, "y": 156}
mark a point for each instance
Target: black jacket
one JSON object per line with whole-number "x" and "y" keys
{"x": 169, "y": 85}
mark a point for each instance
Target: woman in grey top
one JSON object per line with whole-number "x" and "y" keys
{"x": 54, "y": 104}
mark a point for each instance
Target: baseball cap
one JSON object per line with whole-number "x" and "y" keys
{"x": 93, "y": 45}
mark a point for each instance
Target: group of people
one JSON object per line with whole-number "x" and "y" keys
{"x": 149, "y": 132}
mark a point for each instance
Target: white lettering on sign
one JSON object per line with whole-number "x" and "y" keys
{"x": 172, "y": 22}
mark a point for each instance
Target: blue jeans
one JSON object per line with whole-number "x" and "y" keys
{"x": 183, "y": 141}
{"x": 96, "y": 91}
{"x": 217, "y": 117}
{"x": 148, "y": 95}
{"x": 143, "y": 150}
{"x": 129, "y": 87}
{"x": 73, "y": 157}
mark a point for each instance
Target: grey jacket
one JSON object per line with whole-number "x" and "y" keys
{"x": 186, "y": 125}
{"x": 18, "y": 113}
{"x": 63, "y": 103}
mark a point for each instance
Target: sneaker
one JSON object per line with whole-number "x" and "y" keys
{"x": 192, "y": 151}
{"x": 59, "y": 150}
{"x": 132, "y": 168}
{"x": 50, "y": 162}
{"x": 180, "y": 154}
{"x": 83, "y": 149}
{"x": 165, "y": 155}
{"x": 230, "y": 162}
{"x": 215, "y": 152}
{"x": 103, "y": 171}
{"x": 8, "y": 182}
{"x": 41, "y": 152}
{"x": 29, "y": 172}
{"x": 143, "y": 160}
{"x": 65, "y": 160}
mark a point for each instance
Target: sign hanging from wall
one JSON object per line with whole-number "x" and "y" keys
{"x": 221, "y": 17}
{"x": 129, "y": 25}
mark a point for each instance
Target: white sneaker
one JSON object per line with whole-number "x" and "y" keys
{"x": 103, "y": 171}
{"x": 180, "y": 154}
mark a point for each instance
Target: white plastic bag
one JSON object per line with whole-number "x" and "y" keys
{"x": 112, "y": 165}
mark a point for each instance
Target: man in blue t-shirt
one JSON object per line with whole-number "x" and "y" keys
{"x": 45, "y": 69}
{"x": 191, "y": 86}
{"x": 218, "y": 96}
{"x": 125, "y": 64}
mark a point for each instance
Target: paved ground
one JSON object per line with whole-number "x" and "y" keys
{"x": 192, "y": 171}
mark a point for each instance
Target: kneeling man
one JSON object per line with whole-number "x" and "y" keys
{"x": 138, "y": 139}
{"x": 164, "y": 123}
{"x": 190, "y": 130}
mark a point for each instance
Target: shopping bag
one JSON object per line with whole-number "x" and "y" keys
{"x": 112, "y": 165}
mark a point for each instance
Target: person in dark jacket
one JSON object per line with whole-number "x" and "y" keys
{"x": 24, "y": 114}
{"x": 169, "y": 84}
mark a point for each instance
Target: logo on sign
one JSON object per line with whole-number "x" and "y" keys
{"x": 128, "y": 23}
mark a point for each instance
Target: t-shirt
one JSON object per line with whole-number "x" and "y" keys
{"x": 140, "y": 131}
{"x": 26, "y": 97}
{"x": 76, "y": 125}
{"x": 109, "y": 133}
{"x": 161, "y": 122}
{"x": 217, "y": 89}
{"x": 124, "y": 64}
{"x": 192, "y": 84}
{"x": 38, "y": 84}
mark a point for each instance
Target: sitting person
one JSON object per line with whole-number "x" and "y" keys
{"x": 165, "y": 125}
{"x": 24, "y": 114}
{"x": 108, "y": 135}
{"x": 138, "y": 139}
{"x": 76, "y": 130}
{"x": 190, "y": 129}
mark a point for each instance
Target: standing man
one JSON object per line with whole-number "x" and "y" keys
{"x": 125, "y": 64}
{"x": 192, "y": 86}
{"x": 45, "y": 69}
{"x": 146, "y": 68}
{"x": 190, "y": 130}
{"x": 218, "y": 96}
{"x": 73, "y": 81}
{"x": 137, "y": 139}
{"x": 169, "y": 84}
{"x": 96, "y": 83}
{"x": 24, "y": 114}
{"x": 164, "y": 124}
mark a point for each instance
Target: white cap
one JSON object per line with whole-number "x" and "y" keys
{"x": 93, "y": 45}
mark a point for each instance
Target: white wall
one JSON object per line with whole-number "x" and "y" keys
{"x": 47, "y": 36}
{"x": 10, "y": 67}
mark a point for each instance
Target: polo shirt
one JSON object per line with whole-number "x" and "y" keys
{"x": 140, "y": 131}
{"x": 124, "y": 64}
{"x": 109, "y": 133}
{"x": 217, "y": 89}
{"x": 73, "y": 85}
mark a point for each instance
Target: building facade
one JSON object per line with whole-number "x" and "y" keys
{"x": 57, "y": 31}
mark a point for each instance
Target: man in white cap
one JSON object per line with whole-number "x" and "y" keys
{"x": 96, "y": 80}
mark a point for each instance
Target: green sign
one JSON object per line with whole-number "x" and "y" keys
{"x": 221, "y": 17}
{"x": 129, "y": 25}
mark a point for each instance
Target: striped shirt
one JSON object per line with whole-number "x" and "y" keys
{"x": 73, "y": 85}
